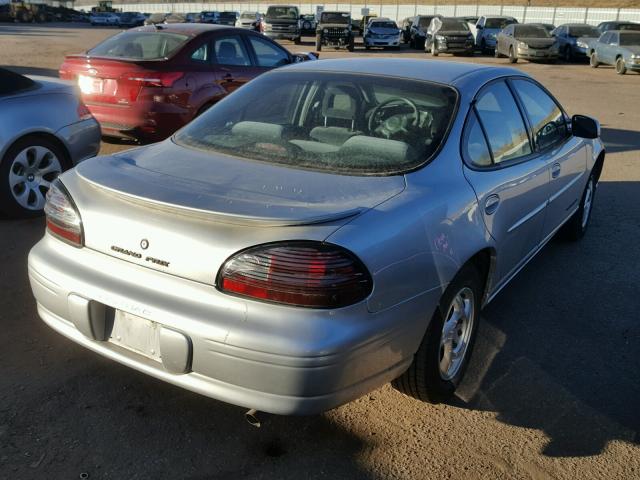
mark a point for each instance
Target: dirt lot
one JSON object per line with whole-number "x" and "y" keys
{"x": 555, "y": 392}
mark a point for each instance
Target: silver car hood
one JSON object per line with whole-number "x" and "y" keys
{"x": 232, "y": 190}
{"x": 541, "y": 42}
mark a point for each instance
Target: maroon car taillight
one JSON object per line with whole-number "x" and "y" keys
{"x": 63, "y": 219}
{"x": 153, "y": 79}
{"x": 298, "y": 273}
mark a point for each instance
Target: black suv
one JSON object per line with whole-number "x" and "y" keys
{"x": 449, "y": 35}
{"x": 334, "y": 29}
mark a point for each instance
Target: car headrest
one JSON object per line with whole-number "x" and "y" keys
{"x": 227, "y": 50}
{"x": 378, "y": 149}
{"x": 258, "y": 131}
{"x": 340, "y": 102}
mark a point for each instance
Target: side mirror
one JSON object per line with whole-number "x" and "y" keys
{"x": 479, "y": 27}
{"x": 585, "y": 127}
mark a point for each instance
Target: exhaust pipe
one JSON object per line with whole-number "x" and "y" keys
{"x": 252, "y": 417}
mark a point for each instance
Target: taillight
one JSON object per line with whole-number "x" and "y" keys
{"x": 153, "y": 79}
{"x": 261, "y": 26}
{"x": 299, "y": 273}
{"x": 63, "y": 219}
{"x": 83, "y": 111}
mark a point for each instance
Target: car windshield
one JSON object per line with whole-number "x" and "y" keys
{"x": 11, "y": 82}
{"x": 451, "y": 24}
{"x": 584, "y": 31}
{"x": 384, "y": 25}
{"x": 629, "y": 26}
{"x": 531, "y": 31}
{"x": 228, "y": 15}
{"x": 424, "y": 21}
{"x": 352, "y": 124}
{"x": 251, "y": 16}
{"x": 630, "y": 39}
{"x": 285, "y": 13}
{"x": 333, "y": 17}
{"x": 140, "y": 45}
{"x": 498, "y": 23}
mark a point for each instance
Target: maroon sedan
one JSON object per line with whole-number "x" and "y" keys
{"x": 147, "y": 82}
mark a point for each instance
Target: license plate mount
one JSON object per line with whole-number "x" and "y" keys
{"x": 136, "y": 334}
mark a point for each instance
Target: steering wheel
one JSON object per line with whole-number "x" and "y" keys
{"x": 396, "y": 123}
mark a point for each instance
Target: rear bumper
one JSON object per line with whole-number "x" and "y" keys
{"x": 377, "y": 42}
{"x": 145, "y": 120}
{"x": 82, "y": 139}
{"x": 275, "y": 359}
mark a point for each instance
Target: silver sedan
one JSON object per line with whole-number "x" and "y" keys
{"x": 325, "y": 229}
{"x": 44, "y": 129}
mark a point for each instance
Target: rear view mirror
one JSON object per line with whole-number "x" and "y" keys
{"x": 585, "y": 127}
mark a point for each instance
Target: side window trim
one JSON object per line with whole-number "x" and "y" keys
{"x": 525, "y": 121}
{"x": 536, "y": 149}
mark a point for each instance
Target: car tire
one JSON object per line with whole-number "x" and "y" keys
{"x": 577, "y": 225}
{"x": 352, "y": 44}
{"x": 434, "y": 49}
{"x": 513, "y": 58}
{"x": 621, "y": 67}
{"x": 296, "y": 41}
{"x": 568, "y": 54}
{"x": 428, "y": 379}
{"x": 26, "y": 171}
{"x": 318, "y": 43}
{"x": 593, "y": 60}
{"x": 496, "y": 54}
{"x": 306, "y": 25}
{"x": 483, "y": 47}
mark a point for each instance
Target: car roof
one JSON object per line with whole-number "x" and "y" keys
{"x": 439, "y": 71}
{"x": 184, "y": 28}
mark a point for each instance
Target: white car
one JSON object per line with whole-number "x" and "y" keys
{"x": 104, "y": 18}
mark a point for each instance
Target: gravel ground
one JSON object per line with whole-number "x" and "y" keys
{"x": 554, "y": 392}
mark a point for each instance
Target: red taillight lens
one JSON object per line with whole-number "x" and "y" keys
{"x": 299, "y": 273}
{"x": 63, "y": 219}
{"x": 153, "y": 79}
{"x": 83, "y": 111}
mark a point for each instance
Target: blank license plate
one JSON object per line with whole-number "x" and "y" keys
{"x": 90, "y": 85}
{"x": 137, "y": 334}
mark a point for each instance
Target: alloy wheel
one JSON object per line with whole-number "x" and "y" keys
{"x": 456, "y": 333}
{"x": 587, "y": 204}
{"x": 31, "y": 174}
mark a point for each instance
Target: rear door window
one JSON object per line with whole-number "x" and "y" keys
{"x": 546, "y": 118}
{"x": 503, "y": 124}
{"x": 230, "y": 50}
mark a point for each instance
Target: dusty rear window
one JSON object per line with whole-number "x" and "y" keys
{"x": 136, "y": 45}
{"x": 343, "y": 123}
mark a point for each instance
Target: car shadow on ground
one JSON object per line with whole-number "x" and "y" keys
{"x": 617, "y": 140}
{"x": 559, "y": 348}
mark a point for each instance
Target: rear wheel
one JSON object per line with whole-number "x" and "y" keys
{"x": 26, "y": 173}
{"x": 621, "y": 67}
{"x": 512, "y": 56}
{"x": 441, "y": 360}
{"x": 593, "y": 60}
{"x": 352, "y": 44}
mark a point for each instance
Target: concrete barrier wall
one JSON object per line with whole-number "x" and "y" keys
{"x": 398, "y": 11}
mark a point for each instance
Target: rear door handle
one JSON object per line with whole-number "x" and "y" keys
{"x": 491, "y": 204}
{"x": 228, "y": 77}
{"x": 555, "y": 170}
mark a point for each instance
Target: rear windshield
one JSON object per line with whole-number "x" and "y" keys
{"x": 384, "y": 25}
{"x": 630, "y": 39}
{"x": 137, "y": 45}
{"x": 424, "y": 21}
{"x": 11, "y": 82}
{"x": 584, "y": 31}
{"x": 450, "y": 24}
{"x": 284, "y": 13}
{"x": 629, "y": 26}
{"x": 351, "y": 124}
{"x": 498, "y": 22}
{"x": 333, "y": 17}
{"x": 531, "y": 31}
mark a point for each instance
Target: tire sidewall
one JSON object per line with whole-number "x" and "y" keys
{"x": 438, "y": 388}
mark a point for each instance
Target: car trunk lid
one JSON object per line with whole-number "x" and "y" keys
{"x": 194, "y": 207}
